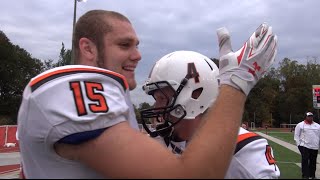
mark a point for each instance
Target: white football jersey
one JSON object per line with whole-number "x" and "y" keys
{"x": 72, "y": 103}
{"x": 253, "y": 157}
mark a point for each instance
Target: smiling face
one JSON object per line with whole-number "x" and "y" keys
{"x": 120, "y": 53}
{"x": 106, "y": 39}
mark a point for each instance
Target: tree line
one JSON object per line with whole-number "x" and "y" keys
{"x": 16, "y": 70}
{"x": 283, "y": 95}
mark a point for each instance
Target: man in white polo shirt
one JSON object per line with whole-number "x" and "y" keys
{"x": 307, "y": 137}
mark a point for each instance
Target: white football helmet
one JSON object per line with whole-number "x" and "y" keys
{"x": 185, "y": 72}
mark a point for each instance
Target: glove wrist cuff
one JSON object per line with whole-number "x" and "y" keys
{"x": 236, "y": 82}
{"x": 230, "y": 83}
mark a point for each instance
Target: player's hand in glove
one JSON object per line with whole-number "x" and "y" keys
{"x": 243, "y": 69}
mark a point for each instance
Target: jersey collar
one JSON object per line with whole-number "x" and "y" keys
{"x": 307, "y": 122}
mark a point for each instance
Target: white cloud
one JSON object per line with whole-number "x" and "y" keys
{"x": 165, "y": 26}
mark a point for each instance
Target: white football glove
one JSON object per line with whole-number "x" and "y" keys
{"x": 244, "y": 68}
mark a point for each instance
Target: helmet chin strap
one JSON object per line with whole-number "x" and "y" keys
{"x": 168, "y": 134}
{"x": 173, "y": 137}
{"x": 164, "y": 130}
{"x": 176, "y": 138}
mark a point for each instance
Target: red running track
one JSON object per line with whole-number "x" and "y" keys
{"x": 9, "y": 168}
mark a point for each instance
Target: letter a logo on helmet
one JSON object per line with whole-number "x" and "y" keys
{"x": 192, "y": 72}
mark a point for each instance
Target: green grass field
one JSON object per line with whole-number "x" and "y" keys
{"x": 285, "y": 158}
{"x": 286, "y": 161}
{"x": 287, "y": 137}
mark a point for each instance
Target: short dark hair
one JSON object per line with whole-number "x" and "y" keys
{"x": 94, "y": 25}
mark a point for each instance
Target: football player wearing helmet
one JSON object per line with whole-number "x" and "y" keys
{"x": 190, "y": 80}
{"x": 89, "y": 131}
{"x": 184, "y": 85}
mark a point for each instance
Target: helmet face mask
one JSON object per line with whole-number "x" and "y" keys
{"x": 181, "y": 73}
{"x": 161, "y": 114}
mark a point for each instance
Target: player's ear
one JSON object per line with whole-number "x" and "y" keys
{"x": 88, "y": 50}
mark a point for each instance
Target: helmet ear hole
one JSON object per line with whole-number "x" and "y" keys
{"x": 196, "y": 93}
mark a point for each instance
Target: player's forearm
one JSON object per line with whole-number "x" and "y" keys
{"x": 219, "y": 130}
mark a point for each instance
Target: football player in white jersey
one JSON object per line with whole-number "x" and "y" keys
{"x": 78, "y": 122}
{"x": 184, "y": 85}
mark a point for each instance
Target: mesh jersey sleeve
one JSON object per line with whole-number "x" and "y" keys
{"x": 79, "y": 100}
{"x": 254, "y": 161}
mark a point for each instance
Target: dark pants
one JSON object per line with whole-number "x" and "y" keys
{"x": 308, "y": 161}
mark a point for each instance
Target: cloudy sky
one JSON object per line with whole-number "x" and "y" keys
{"x": 163, "y": 26}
